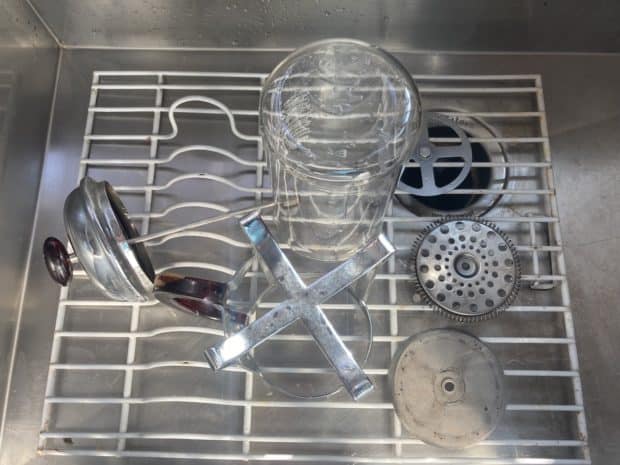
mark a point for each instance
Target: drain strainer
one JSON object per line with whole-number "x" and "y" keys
{"x": 447, "y": 388}
{"x": 489, "y": 171}
{"x": 466, "y": 268}
{"x": 432, "y": 180}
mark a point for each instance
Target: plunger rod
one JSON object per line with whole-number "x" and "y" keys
{"x": 198, "y": 224}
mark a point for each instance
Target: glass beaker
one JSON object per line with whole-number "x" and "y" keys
{"x": 338, "y": 119}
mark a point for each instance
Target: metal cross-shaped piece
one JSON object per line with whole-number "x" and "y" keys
{"x": 427, "y": 154}
{"x": 303, "y": 304}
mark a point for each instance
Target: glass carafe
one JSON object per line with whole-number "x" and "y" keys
{"x": 338, "y": 119}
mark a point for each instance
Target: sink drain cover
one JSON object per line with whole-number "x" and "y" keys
{"x": 447, "y": 388}
{"x": 466, "y": 268}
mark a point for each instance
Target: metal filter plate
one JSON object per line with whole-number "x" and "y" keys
{"x": 466, "y": 268}
{"x": 447, "y": 388}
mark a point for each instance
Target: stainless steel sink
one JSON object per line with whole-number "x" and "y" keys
{"x": 90, "y": 378}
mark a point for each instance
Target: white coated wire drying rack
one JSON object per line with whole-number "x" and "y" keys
{"x": 98, "y": 404}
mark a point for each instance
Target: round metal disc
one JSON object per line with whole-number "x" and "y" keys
{"x": 467, "y": 269}
{"x": 447, "y": 388}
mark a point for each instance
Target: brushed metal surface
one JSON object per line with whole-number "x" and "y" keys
{"x": 582, "y": 100}
{"x": 28, "y": 58}
{"x": 478, "y": 25}
{"x": 20, "y": 27}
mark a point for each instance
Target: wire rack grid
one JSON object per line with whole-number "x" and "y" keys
{"x": 127, "y": 380}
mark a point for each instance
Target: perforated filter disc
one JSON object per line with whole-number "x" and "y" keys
{"x": 466, "y": 268}
{"x": 447, "y": 388}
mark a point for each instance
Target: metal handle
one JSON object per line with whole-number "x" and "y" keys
{"x": 201, "y": 297}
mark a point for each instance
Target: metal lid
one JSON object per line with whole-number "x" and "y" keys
{"x": 98, "y": 226}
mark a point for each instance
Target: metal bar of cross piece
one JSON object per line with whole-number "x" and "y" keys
{"x": 303, "y": 305}
{"x": 355, "y": 381}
